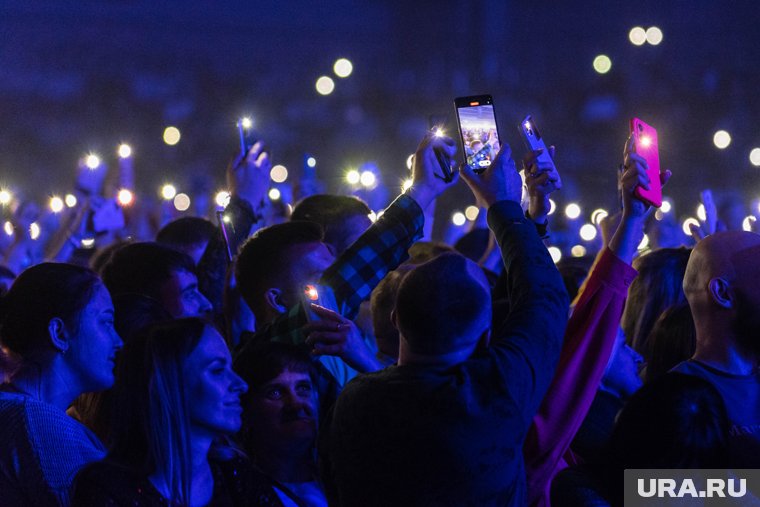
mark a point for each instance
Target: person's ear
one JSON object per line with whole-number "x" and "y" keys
{"x": 273, "y": 298}
{"x": 58, "y": 335}
{"x": 721, "y": 293}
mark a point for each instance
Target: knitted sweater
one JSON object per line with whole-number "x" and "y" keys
{"x": 41, "y": 451}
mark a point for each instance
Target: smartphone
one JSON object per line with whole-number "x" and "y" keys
{"x": 478, "y": 131}
{"x": 319, "y": 294}
{"x": 533, "y": 140}
{"x": 247, "y": 138}
{"x": 645, "y": 138}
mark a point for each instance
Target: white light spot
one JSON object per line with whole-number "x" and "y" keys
{"x": 458, "y": 219}
{"x": 552, "y": 206}
{"x": 572, "y": 211}
{"x": 578, "y": 251}
{"x": 406, "y": 185}
{"x": 246, "y": 122}
{"x": 701, "y": 214}
{"x": 275, "y": 194}
{"x": 56, "y": 204}
{"x": 666, "y": 206}
{"x": 644, "y": 242}
{"x": 34, "y": 230}
{"x": 598, "y": 215}
{"x": 353, "y": 177}
{"x": 602, "y": 64}
{"x": 172, "y": 135}
{"x": 722, "y": 139}
{"x": 687, "y": 225}
{"x": 588, "y": 232}
{"x": 311, "y": 162}
{"x": 279, "y": 173}
{"x": 654, "y": 35}
{"x": 125, "y": 151}
{"x": 182, "y": 202}
{"x": 748, "y": 223}
{"x": 367, "y": 178}
{"x": 88, "y": 242}
{"x": 472, "y": 213}
{"x": 71, "y": 200}
{"x": 556, "y": 254}
{"x": 5, "y": 197}
{"x": 754, "y": 157}
{"x": 168, "y": 192}
{"x": 92, "y": 161}
{"x": 637, "y": 36}
{"x": 409, "y": 161}
{"x": 343, "y": 67}
{"x": 325, "y": 85}
{"x": 125, "y": 197}
{"x": 8, "y": 227}
{"x": 222, "y": 198}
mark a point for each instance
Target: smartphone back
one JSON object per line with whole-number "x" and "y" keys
{"x": 533, "y": 140}
{"x": 645, "y": 137}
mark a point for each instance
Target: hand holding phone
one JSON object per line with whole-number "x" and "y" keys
{"x": 645, "y": 145}
{"x": 478, "y": 131}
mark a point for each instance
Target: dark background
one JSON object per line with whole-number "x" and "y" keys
{"x": 84, "y": 75}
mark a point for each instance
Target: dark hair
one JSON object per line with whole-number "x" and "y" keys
{"x": 102, "y": 255}
{"x": 39, "y": 294}
{"x": 135, "y": 312}
{"x": 423, "y": 251}
{"x": 675, "y": 421}
{"x": 331, "y": 212}
{"x": 438, "y": 303}
{"x": 658, "y": 285}
{"x": 474, "y": 243}
{"x": 263, "y": 260}
{"x": 142, "y": 268}
{"x": 150, "y": 426}
{"x": 382, "y": 302}
{"x": 186, "y": 231}
{"x": 673, "y": 339}
{"x": 574, "y": 271}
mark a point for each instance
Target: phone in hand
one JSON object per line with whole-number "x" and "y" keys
{"x": 247, "y": 137}
{"x": 321, "y": 295}
{"x": 534, "y": 141}
{"x": 645, "y": 144}
{"x": 478, "y": 131}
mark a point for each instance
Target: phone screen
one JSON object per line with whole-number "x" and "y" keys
{"x": 477, "y": 127}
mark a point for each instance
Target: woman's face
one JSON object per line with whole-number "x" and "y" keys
{"x": 92, "y": 353}
{"x": 213, "y": 390}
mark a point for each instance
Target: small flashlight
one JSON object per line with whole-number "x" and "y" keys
{"x": 311, "y": 292}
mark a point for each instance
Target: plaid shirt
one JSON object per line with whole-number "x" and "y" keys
{"x": 359, "y": 269}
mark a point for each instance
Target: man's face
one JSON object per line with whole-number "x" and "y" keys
{"x": 181, "y": 298}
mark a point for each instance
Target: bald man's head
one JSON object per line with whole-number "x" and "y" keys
{"x": 723, "y": 276}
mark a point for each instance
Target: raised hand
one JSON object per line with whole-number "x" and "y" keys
{"x": 542, "y": 179}
{"x": 427, "y": 184}
{"x": 499, "y": 182}
{"x": 248, "y": 177}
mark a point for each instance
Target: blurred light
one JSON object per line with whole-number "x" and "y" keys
{"x": 687, "y": 225}
{"x": 598, "y": 215}
{"x": 92, "y": 161}
{"x": 654, "y": 35}
{"x": 372, "y": 216}
{"x": 646, "y": 141}
{"x": 274, "y": 194}
{"x": 406, "y": 185}
{"x": 168, "y": 192}
{"x": 666, "y": 206}
{"x": 71, "y": 200}
{"x": 279, "y": 173}
{"x": 181, "y": 202}
{"x": 367, "y": 178}
{"x": 701, "y": 214}
{"x": 125, "y": 197}
{"x": 602, "y": 64}
{"x": 578, "y": 251}
{"x": 311, "y": 162}
{"x": 572, "y": 211}
{"x": 556, "y": 254}
{"x": 439, "y": 132}
{"x": 222, "y": 198}
{"x": 226, "y": 219}
{"x": 659, "y": 215}
{"x": 409, "y": 161}
{"x": 552, "y": 206}
{"x": 56, "y": 204}
{"x": 8, "y": 227}
{"x": 171, "y": 135}
{"x": 588, "y": 232}
{"x": 5, "y": 197}
{"x": 458, "y": 218}
{"x": 644, "y": 242}
{"x": 380, "y": 213}
{"x": 34, "y": 230}
{"x": 754, "y": 157}
{"x": 472, "y": 213}
{"x": 722, "y": 139}
{"x": 637, "y": 35}
{"x": 125, "y": 151}
{"x": 353, "y": 176}
{"x": 246, "y": 122}
{"x": 748, "y": 222}
{"x": 325, "y": 85}
{"x": 343, "y": 67}
{"x": 88, "y": 242}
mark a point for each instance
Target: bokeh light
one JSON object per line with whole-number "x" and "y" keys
{"x": 458, "y": 219}
{"x": 88, "y": 242}
{"x": 246, "y": 122}
{"x": 353, "y": 177}
{"x": 125, "y": 197}
{"x": 56, "y": 204}
{"x": 588, "y": 232}
{"x": 311, "y": 162}
{"x": 222, "y": 198}
{"x": 644, "y": 242}
{"x": 34, "y": 230}
{"x": 71, "y": 200}
{"x": 637, "y": 35}
{"x": 92, "y": 161}
{"x": 686, "y": 226}
{"x": 748, "y": 223}
{"x": 754, "y": 157}
{"x": 578, "y": 251}
{"x": 602, "y": 64}
{"x": 556, "y": 254}
{"x": 406, "y": 185}
{"x": 325, "y": 85}
{"x": 552, "y": 206}
{"x": 572, "y": 211}
{"x": 5, "y": 197}
{"x": 8, "y": 228}
{"x": 598, "y": 215}
{"x": 666, "y": 206}
{"x": 367, "y": 178}
{"x": 125, "y": 151}
{"x": 654, "y": 35}
{"x": 168, "y": 192}
{"x": 279, "y": 173}
{"x": 275, "y": 194}
{"x": 701, "y": 214}
{"x": 343, "y": 67}
{"x": 172, "y": 135}
{"x": 182, "y": 202}
{"x": 472, "y": 213}
{"x": 409, "y": 161}
{"x": 722, "y": 139}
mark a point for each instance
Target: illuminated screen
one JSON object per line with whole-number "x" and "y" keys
{"x": 479, "y": 136}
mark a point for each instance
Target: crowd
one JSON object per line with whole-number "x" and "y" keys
{"x": 194, "y": 368}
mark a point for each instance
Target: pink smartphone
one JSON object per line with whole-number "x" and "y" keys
{"x": 645, "y": 137}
